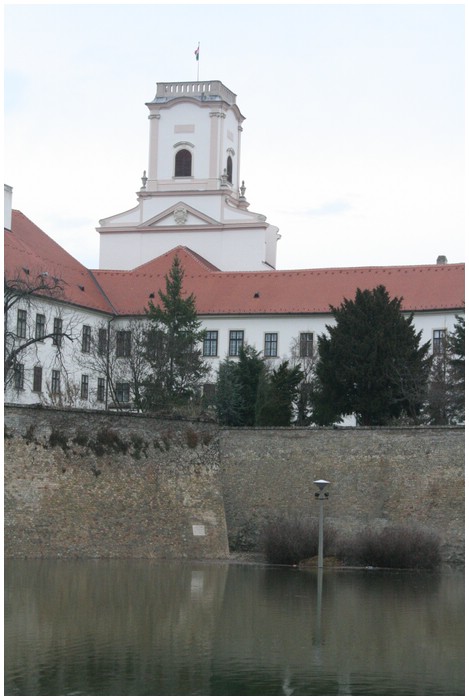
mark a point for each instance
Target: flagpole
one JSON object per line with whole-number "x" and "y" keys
{"x": 198, "y": 60}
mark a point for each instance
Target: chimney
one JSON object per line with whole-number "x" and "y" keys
{"x": 7, "y": 203}
{"x": 442, "y": 260}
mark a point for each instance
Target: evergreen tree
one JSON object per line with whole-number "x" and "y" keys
{"x": 250, "y": 368}
{"x": 229, "y": 402}
{"x": 237, "y": 387}
{"x": 371, "y": 365}
{"x": 277, "y": 392}
{"x": 457, "y": 350}
{"x": 171, "y": 346}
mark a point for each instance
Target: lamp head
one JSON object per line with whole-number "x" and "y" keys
{"x": 321, "y": 484}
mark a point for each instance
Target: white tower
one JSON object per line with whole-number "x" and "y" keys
{"x": 191, "y": 194}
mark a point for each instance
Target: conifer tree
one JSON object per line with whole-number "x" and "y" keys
{"x": 371, "y": 364}
{"x": 277, "y": 392}
{"x": 237, "y": 387}
{"x": 457, "y": 347}
{"x": 172, "y": 345}
{"x": 250, "y": 367}
{"x": 229, "y": 402}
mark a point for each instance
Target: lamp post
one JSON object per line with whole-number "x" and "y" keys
{"x": 321, "y": 495}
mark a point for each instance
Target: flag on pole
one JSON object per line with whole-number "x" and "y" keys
{"x": 197, "y": 53}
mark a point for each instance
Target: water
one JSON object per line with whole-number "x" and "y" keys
{"x": 151, "y": 628}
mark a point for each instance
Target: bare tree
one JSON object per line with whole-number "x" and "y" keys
{"x": 116, "y": 354}
{"x": 33, "y": 313}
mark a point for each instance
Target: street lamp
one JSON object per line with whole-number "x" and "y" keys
{"x": 321, "y": 495}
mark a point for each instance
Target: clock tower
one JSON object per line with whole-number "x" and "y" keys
{"x": 191, "y": 192}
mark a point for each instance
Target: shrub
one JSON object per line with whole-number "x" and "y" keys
{"x": 289, "y": 539}
{"x": 396, "y": 547}
{"x": 139, "y": 445}
{"x": 110, "y": 440}
{"x": 58, "y": 438}
{"x": 81, "y": 438}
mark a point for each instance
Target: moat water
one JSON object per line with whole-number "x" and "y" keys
{"x": 152, "y": 628}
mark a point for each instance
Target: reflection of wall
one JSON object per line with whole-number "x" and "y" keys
{"x": 172, "y": 628}
{"x": 377, "y": 476}
{"x": 157, "y": 501}
{"x": 395, "y": 630}
{"x": 111, "y": 625}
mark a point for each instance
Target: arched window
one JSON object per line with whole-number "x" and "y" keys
{"x": 183, "y": 163}
{"x": 229, "y": 169}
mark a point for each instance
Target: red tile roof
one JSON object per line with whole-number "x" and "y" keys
{"x": 26, "y": 247}
{"x": 422, "y": 287}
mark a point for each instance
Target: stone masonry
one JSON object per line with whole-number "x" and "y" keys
{"x": 85, "y": 484}
{"x": 378, "y": 476}
{"x": 79, "y": 484}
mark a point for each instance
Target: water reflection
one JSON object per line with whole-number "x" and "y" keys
{"x": 149, "y": 628}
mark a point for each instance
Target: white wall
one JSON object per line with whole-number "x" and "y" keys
{"x": 73, "y": 363}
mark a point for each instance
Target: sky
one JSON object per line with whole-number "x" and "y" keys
{"x": 353, "y": 143}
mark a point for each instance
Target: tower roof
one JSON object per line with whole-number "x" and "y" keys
{"x": 203, "y": 90}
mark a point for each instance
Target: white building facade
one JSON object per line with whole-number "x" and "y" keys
{"x": 191, "y": 194}
{"x": 192, "y": 203}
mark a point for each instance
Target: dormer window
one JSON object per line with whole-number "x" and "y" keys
{"x": 183, "y": 163}
{"x": 229, "y": 169}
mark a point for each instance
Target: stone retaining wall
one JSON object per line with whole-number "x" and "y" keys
{"x": 378, "y": 476}
{"x": 80, "y": 484}
{"x": 88, "y": 484}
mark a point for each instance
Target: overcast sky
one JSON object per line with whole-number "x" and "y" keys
{"x": 353, "y": 143}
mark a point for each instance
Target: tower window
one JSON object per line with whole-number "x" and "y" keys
{"x": 229, "y": 169}
{"x": 183, "y": 163}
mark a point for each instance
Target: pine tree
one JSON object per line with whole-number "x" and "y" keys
{"x": 371, "y": 365}
{"x": 229, "y": 402}
{"x": 172, "y": 345}
{"x": 457, "y": 349}
{"x": 237, "y": 387}
{"x": 277, "y": 392}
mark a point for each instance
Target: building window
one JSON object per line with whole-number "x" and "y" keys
{"x": 84, "y": 386}
{"x": 123, "y": 339}
{"x": 439, "y": 341}
{"x": 157, "y": 343}
{"x": 57, "y": 337}
{"x": 306, "y": 344}
{"x": 55, "y": 384}
{"x": 123, "y": 392}
{"x": 102, "y": 341}
{"x": 21, "y": 324}
{"x": 229, "y": 169}
{"x": 101, "y": 389}
{"x": 40, "y": 326}
{"x": 86, "y": 339}
{"x": 270, "y": 344}
{"x": 183, "y": 163}
{"x": 18, "y": 377}
{"x": 210, "y": 348}
{"x": 236, "y": 343}
{"x": 37, "y": 379}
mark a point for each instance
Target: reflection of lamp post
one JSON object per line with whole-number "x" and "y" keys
{"x": 321, "y": 496}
